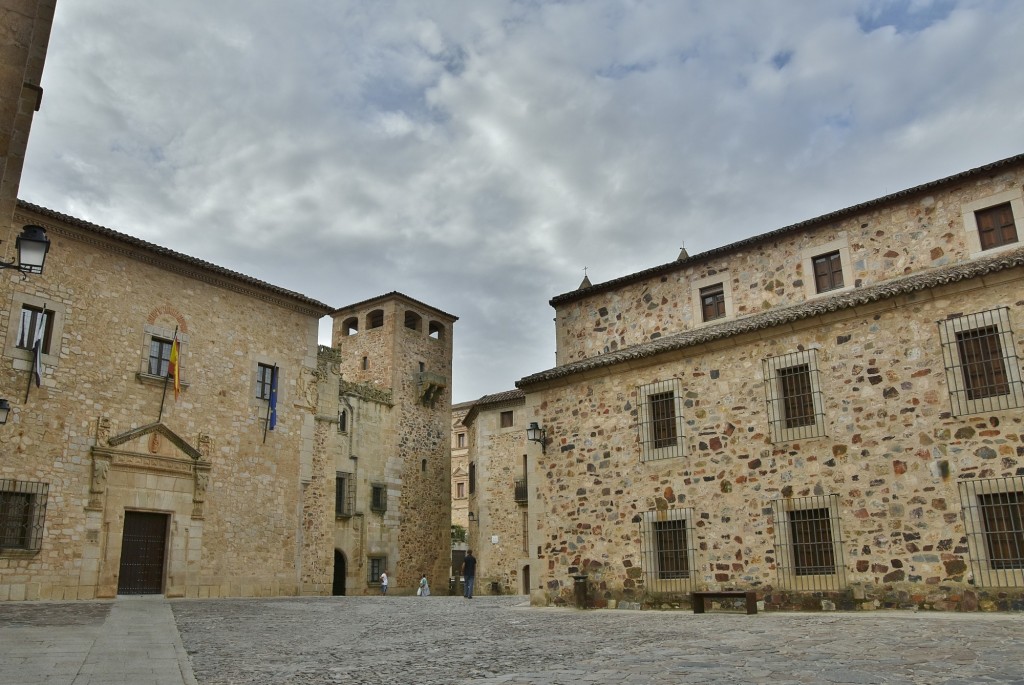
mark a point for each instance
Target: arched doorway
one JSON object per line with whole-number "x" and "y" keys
{"x": 338, "y": 587}
{"x": 526, "y": 579}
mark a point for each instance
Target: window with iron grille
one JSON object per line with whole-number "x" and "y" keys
{"x": 661, "y": 420}
{"x": 376, "y": 566}
{"x": 828, "y": 272}
{"x": 379, "y": 498}
{"x": 666, "y": 542}
{"x": 996, "y": 226}
{"x": 22, "y": 514}
{"x": 344, "y": 493}
{"x": 526, "y": 532}
{"x": 982, "y": 368}
{"x": 34, "y": 321}
{"x": 994, "y": 517}
{"x": 808, "y": 544}
{"x": 712, "y": 302}
{"x": 793, "y": 392}
{"x": 264, "y": 380}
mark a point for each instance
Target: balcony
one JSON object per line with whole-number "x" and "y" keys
{"x": 520, "y": 490}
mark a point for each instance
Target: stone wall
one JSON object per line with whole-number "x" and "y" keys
{"x": 892, "y": 453}
{"x": 887, "y": 239}
{"x": 232, "y": 493}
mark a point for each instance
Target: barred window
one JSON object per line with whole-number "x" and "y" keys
{"x": 666, "y": 542}
{"x": 661, "y": 421}
{"x": 377, "y": 566}
{"x": 344, "y": 493}
{"x": 994, "y": 517}
{"x": 379, "y": 498}
{"x": 982, "y": 368}
{"x": 22, "y": 514}
{"x": 793, "y": 391}
{"x": 808, "y": 546}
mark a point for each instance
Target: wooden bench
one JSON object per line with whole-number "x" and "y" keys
{"x": 699, "y": 597}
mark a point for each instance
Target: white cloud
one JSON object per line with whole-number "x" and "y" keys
{"x": 478, "y": 155}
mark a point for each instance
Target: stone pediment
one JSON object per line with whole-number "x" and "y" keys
{"x": 459, "y": 472}
{"x": 154, "y": 438}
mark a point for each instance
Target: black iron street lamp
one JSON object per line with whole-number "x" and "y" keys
{"x": 537, "y": 434}
{"x": 32, "y": 247}
{"x": 5, "y": 411}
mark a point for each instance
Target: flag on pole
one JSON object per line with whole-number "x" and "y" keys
{"x": 173, "y": 368}
{"x": 272, "y": 419}
{"x": 37, "y": 349}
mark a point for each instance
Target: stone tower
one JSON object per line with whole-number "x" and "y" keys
{"x": 391, "y": 450}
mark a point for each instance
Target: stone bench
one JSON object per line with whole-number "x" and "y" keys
{"x": 699, "y": 597}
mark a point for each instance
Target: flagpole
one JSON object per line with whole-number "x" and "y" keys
{"x": 167, "y": 377}
{"x": 36, "y": 351}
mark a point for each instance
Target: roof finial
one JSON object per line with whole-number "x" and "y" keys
{"x": 586, "y": 280}
{"x": 683, "y": 254}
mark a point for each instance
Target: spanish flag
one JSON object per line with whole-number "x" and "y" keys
{"x": 173, "y": 368}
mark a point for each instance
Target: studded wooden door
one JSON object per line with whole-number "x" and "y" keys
{"x": 142, "y": 553}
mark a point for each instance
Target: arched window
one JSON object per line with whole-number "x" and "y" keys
{"x": 375, "y": 319}
{"x": 413, "y": 320}
{"x": 350, "y": 326}
{"x": 436, "y": 330}
{"x": 423, "y": 465}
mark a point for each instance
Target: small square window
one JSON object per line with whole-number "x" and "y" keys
{"x": 379, "y": 498}
{"x": 996, "y": 226}
{"x": 460, "y": 440}
{"x": 506, "y": 419}
{"x": 712, "y": 302}
{"x": 828, "y": 271}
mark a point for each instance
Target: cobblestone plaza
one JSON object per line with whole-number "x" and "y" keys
{"x": 400, "y": 640}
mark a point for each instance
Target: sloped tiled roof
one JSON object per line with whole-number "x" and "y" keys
{"x": 393, "y": 294}
{"x": 783, "y": 315}
{"x": 184, "y": 259}
{"x": 506, "y": 397}
{"x": 685, "y": 262}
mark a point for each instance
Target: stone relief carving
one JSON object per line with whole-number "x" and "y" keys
{"x": 100, "y": 468}
{"x": 202, "y": 480}
{"x": 103, "y": 428}
{"x": 204, "y": 443}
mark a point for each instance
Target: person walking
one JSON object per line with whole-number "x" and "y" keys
{"x": 469, "y": 574}
{"x": 424, "y": 590}
{"x": 384, "y": 583}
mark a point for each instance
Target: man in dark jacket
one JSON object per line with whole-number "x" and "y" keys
{"x": 469, "y": 574}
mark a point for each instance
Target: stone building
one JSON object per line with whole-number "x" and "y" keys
{"x": 497, "y": 493}
{"x": 230, "y": 481}
{"x": 830, "y": 414}
{"x": 460, "y": 466}
{"x": 383, "y": 456}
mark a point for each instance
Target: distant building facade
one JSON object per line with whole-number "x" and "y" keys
{"x": 831, "y": 414}
{"x": 498, "y": 492}
{"x": 460, "y": 466}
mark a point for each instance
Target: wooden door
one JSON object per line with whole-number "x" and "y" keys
{"x": 143, "y": 546}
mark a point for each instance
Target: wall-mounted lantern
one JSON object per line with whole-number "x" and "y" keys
{"x": 32, "y": 247}
{"x": 5, "y": 411}
{"x": 537, "y": 434}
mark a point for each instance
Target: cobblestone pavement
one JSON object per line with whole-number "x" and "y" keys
{"x": 492, "y": 640}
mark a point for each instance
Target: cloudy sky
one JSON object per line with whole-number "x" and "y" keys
{"x": 478, "y": 154}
